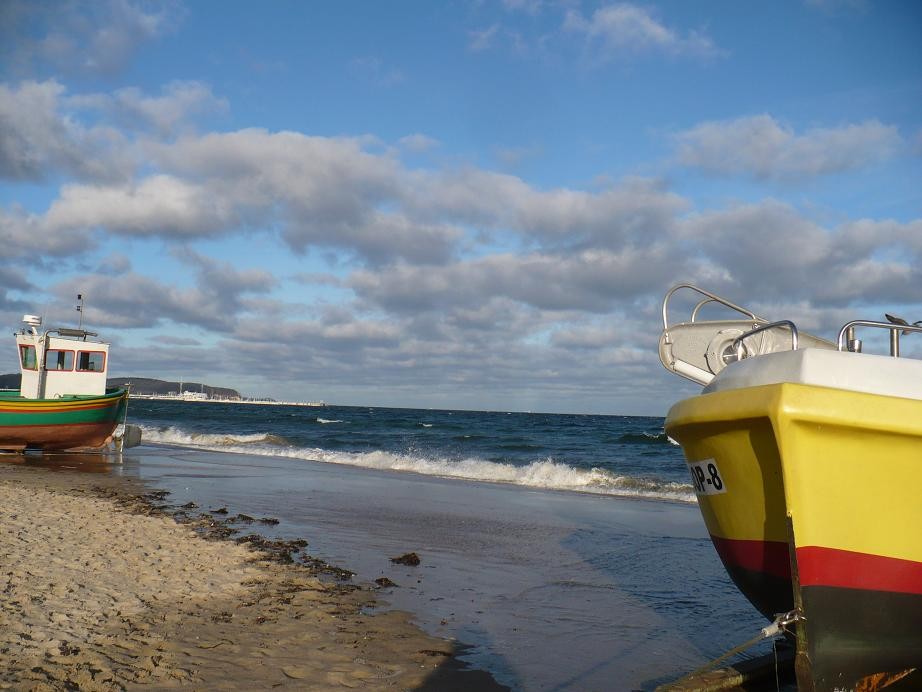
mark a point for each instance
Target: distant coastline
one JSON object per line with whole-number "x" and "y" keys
{"x": 166, "y": 390}
{"x": 152, "y": 387}
{"x": 196, "y": 397}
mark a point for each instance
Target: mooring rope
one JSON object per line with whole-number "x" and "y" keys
{"x": 774, "y": 629}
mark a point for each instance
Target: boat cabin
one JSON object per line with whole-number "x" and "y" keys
{"x": 60, "y": 362}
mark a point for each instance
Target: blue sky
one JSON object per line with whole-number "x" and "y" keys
{"x": 458, "y": 204}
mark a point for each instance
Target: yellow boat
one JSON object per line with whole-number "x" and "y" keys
{"x": 806, "y": 459}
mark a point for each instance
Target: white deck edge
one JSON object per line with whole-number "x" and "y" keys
{"x": 855, "y": 372}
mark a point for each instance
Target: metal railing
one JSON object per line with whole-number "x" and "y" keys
{"x": 738, "y": 341}
{"x": 847, "y": 341}
{"x": 709, "y": 298}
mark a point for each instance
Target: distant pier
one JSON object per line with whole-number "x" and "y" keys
{"x": 197, "y": 397}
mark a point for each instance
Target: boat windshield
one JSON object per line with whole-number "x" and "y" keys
{"x": 27, "y": 357}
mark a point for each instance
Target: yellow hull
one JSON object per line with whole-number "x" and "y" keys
{"x": 819, "y": 506}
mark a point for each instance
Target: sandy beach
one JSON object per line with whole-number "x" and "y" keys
{"x": 102, "y": 590}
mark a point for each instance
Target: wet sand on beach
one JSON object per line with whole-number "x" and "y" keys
{"x": 101, "y": 590}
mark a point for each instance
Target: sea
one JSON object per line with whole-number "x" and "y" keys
{"x": 608, "y": 455}
{"x": 561, "y": 552}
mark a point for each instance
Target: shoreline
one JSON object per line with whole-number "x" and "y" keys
{"x": 621, "y": 494}
{"x": 546, "y": 589}
{"x": 552, "y": 589}
{"x": 107, "y": 586}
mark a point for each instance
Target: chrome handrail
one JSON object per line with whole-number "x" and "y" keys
{"x": 709, "y": 298}
{"x": 847, "y": 333}
{"x": 738, "y": 341}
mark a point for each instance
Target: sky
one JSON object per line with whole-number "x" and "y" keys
{"x": 474, "y": 205}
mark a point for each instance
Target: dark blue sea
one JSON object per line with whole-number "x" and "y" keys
{"x": 609, "y": 455}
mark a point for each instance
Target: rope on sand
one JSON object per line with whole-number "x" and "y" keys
{"x": 777, "y": 626}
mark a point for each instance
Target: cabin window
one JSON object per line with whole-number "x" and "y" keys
{"x": 59, "y": 360}
{"x": 27, "y": 357}
{"x": 91, "y": 361}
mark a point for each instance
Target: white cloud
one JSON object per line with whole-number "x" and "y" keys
{"x": 14, "y": 278}
{"x": 172, "y": 111}
{"x": 114, "y": 264}
{"x": 317, "y": 191}
{"x": 131, "y": 300}
{"x": 38, "y": 141}
{"x": 316, "y": 172}
{"x": 160, "y": 206}
{"x": 762, "y": 148}
{"x": 592, "y": 281}
{"x": 44, "y": 131}
{"x": 312, "y": 191}
{"x": 771, "y": 252}
{"x": 636, "y": 209}
{"x": 342, "y": 193}
{"x": 80, "y": 37}
{"x": 583, "y": 250}
{"x": 625, "y": 28}
{"x": 97, "y": 37}
{"x": 26, "y": 235}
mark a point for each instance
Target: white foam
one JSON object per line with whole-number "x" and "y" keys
{"x": 176, "y": 436}
{"x": 325, "y": 421}
{"x": 547, "y": 474}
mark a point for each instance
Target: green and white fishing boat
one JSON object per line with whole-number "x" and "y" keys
{"x": 63, "y": 402}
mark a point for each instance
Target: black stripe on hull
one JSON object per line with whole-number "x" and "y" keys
{"x": 769, "y": 594}
{"x": 856, "y": 633}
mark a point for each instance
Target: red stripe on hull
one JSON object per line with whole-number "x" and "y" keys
{"x": 768, "y": 557}
{"x": 851, "y": 570}
{"x": 58, "y": 409}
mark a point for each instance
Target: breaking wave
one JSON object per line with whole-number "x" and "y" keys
{"x": 546, "y": 474}
{"x": 175, "y": 436}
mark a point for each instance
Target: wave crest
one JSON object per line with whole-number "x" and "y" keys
{"x": 546, "y": 474}
{"x": 176, "y": 436}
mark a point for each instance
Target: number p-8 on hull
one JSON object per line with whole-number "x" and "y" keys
{"x": 811, "y": 497}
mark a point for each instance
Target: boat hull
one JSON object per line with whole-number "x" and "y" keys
{"x": 60, "y": 424}
{"x": 819, "y": 509}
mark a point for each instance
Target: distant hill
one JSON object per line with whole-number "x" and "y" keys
{"x": 145, "y": 385}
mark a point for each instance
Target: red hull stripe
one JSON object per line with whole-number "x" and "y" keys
{"x": 843, "y": 568}
{"x": 768, "y": 557}
{"x": 57, "y": 409}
